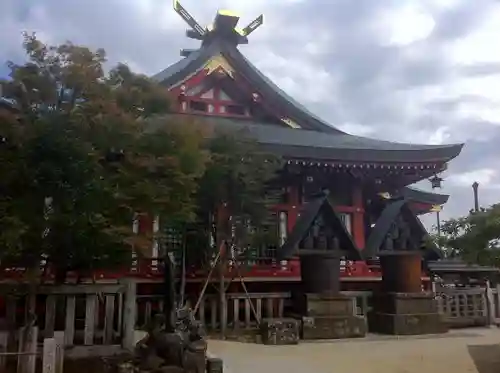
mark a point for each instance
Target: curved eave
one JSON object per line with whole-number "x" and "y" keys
{"x": 420, "y": 196}
{"x": 270, "y": 92}
{"x": 313, "y": 145}
{"x": 306, "y": 144}
{"x": 458, "y": 266}
{"x": 181, "y": 70}
{"x": 7, "y": 104}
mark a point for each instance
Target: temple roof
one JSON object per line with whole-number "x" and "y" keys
{"x": 420, "y": 196}
{"x": 315, "y": 139}
{"x": 307, "y": 144}
{"x": 6, "y": 103}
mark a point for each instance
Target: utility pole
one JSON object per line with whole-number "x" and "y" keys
{"x": 475, "y": 186}
{"x": 438, "y": 225}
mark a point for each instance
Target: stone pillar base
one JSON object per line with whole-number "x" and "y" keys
{"x": 329, "y": 316}
{"x": 406, "y": 314}
{"x": 311, "y": 304}
{"x": 408, "y": 324}
{"x": 333, "y": 327}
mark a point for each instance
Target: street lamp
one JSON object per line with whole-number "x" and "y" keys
{"x": 436, "y": 182}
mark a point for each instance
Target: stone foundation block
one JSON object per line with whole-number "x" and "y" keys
{"x": 328, "y": 305}
{"x": 214, "y": 365}
{"x": 333, "y": 327}
{"x": 313, "y": 305}
{"x": 405, "y": 303}
{"x": 279, "y": 331}
{"x": 409, "y": 324}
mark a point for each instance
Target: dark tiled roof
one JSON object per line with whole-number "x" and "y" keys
{"x": 180, "y": 66}
{"x": 6, "y": 103}
{"x": 384, "y": 223}
{"x": 318, "y": 140}
{"x": 306, "y": 144}
{"x": 421, "y": 196}
{"x": 457, "y": 265}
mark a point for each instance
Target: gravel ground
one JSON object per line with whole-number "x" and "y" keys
{"x": 470, "y": 350}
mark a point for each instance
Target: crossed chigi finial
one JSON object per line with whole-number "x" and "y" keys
{"x": 224, "y": 25}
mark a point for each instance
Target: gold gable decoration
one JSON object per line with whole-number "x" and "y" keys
{"x": 436, "y": 208}
{"x": 217, "y": 62}
{"x": 290, "y": 123}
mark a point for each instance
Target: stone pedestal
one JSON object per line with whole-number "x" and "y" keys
{"x": 330, "y": 317}
{"x": 406, "y": 314}
{"x": 325, "y": 313}
{"x": 402, "y": 308}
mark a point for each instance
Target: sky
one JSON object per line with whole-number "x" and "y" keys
{"x": 417, "y": 71}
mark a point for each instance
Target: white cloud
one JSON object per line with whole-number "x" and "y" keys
{"x": 482, "y": 44}
{"x": 483, "y": 176}
{"x": 327, "y": 54}
{"x": 405, "y": 24}
{"x": 355, "y": 129}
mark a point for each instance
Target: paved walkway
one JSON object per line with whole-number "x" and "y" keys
{"x": 470, "y": 350}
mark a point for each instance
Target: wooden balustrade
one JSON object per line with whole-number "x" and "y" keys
{"x": 239, "y": 309}
{"x": 463, "y": 307}
{"x": 93, "y": 314}
{"x": 108, "y": 314}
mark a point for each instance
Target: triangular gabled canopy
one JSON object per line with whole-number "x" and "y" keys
{"x": 394, "y": 209}
{"x": 319, "y": 206}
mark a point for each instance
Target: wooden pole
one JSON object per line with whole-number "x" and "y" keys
{"x": 490, "y": 304}
{"x": 4, "y": 340}
{"x": 169, "y": 292}
{"x": 222, "y": 291}
{"x": 129, "y": 314}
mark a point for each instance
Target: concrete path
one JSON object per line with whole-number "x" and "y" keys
{"x": 470, "y": 350}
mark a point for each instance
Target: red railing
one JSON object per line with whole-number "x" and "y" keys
{"x": 255, "y": 267}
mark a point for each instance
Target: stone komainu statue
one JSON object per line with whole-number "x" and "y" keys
{"x": 182, "y": 350}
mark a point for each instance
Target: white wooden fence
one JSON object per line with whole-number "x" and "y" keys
{"x": 476, "y": 306}
{"x": 52, "y": 351}
{"x": 95, "y": 316}
{"x": 102, "y": 318}
{"x": 461, "y": 307}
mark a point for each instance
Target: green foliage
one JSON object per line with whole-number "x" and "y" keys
{"x": 237, "y": 177}
{"x": 475, "y": 237}
{"x": 78, "y": 139}
{"x": 82, "y": 140}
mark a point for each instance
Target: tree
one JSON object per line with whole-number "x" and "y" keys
{"x": 78, "y": 160}
{"x": 235, "y": 188}
{"x": 474, "y": 238}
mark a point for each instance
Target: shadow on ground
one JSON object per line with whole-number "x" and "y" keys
{"x": 486, "y": 357}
